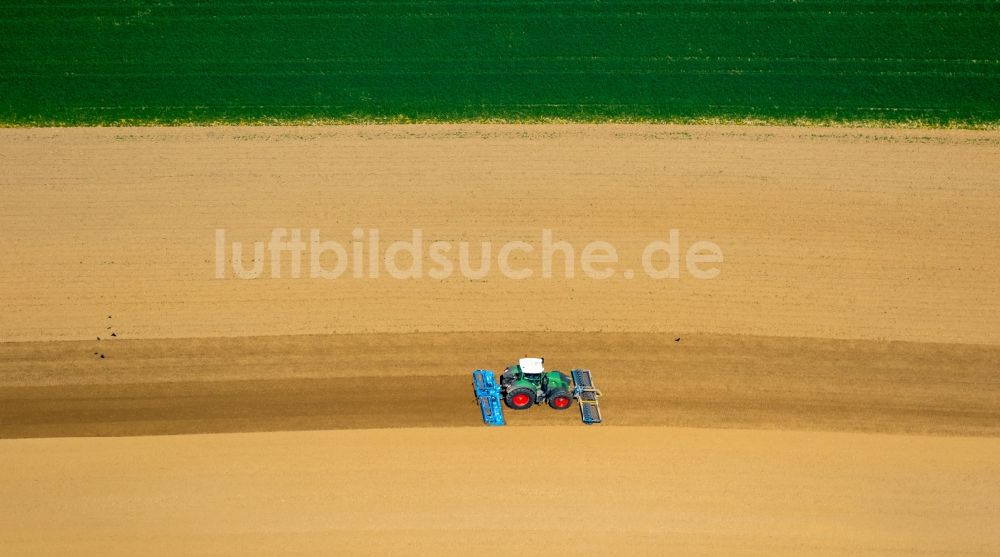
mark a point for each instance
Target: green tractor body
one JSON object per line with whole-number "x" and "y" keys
{"x": 527, "y": 383}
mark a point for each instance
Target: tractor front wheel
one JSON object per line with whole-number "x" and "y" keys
{"x": 560, "y": 400}
{"x": 520, "y": 399}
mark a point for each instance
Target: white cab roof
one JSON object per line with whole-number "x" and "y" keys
{"x": 532, "y": 366}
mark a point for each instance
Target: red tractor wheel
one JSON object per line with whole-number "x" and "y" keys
{"x": 520, "y": 399}
{"x": 560, "y": 400}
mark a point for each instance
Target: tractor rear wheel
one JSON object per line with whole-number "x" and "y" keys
{"x": 520, "y": 398}
{"x": 559, "y": 400}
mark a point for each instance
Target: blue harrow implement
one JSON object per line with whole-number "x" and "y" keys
{"x": 587, "y": 394}
{"x": 488, "y": 395}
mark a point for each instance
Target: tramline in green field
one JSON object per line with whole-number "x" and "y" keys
{"x": 103, "y": 62}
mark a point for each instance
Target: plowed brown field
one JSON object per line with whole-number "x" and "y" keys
{"x": 834, "y": 391}
{"x": 874, "y": 234}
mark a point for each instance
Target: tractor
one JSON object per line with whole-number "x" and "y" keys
{"x": 527, "y": 383}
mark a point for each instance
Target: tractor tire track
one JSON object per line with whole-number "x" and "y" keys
{"x": 758, "y": 383}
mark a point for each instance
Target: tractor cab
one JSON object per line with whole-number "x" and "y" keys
{"x": 532, "y": 366}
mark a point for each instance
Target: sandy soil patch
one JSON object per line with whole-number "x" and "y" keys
{"x": 844, "y": 233}
{"x": 614, "y": 491}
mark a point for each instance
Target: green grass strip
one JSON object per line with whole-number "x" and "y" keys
{"x": 870, "y": 63}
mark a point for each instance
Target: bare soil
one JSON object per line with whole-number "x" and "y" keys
{"x": 834, "y": 391}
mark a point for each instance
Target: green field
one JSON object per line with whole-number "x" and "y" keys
{"x": 882, "y": 62}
